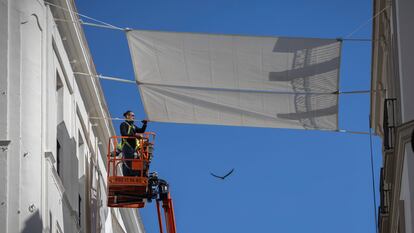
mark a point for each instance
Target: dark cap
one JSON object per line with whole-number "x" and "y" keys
{"x": 127, "y": 112}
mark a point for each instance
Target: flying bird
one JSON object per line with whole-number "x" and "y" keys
{"x": 222, "y": 177}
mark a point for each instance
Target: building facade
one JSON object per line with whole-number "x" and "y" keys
{"x": 52, "y": 153}
{"x": 392, "y": 110}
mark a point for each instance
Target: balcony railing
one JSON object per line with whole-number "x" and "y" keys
{"x": 385, "y": 194}
{"x": 384, "y": 208}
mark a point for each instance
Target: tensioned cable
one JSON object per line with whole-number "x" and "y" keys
{"x": 325, "y": 130}
{"x": 373, "y": 177}
{"x": 225, "y": 89}
{"x": 356, "y": 39}
{"x": 107, "y": 77}
{"x": 365, "y": 23}
{"x": 108, "y": 25}
{"x": 254, "y": 91}
{"x": 107, "y": 118}
{"x": 111, "y": 26}
{"x": 116, "y": 79}
{"x": 129, "y": 29}
{"x": 370, "y": 130}
{"x": 86, "y": 23}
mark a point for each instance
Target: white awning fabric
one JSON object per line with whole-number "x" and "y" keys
{"x": 237, "y": 80}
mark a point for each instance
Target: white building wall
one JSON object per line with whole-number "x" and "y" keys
{"x": 407, "y": 189}
{"x": 4, "y": 18}
{"x": 405, "y": 25}
{"x": 33, "y": 117}
{"x": 30, "y": 183}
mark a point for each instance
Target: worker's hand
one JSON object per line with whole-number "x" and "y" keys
{"x": 144, "y": 121}
{"x": 137, "y": 135}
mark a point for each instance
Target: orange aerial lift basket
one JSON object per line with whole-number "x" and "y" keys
{"x": 131, "y": 190}
{"x": 134, "y": 189}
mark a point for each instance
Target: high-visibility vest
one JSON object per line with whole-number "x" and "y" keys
{"x": 124, "y": 140}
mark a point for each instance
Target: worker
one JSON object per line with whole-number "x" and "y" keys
{"x": 130, "y": 145}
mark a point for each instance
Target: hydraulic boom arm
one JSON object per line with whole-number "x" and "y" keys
{"x": 160, "y": 192}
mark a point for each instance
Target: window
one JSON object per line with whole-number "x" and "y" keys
{"x": 50, "y": 222}
{"x": 59, "y": 98}
{"x": 79, "y": 210}
{"x": 81, "y": 156}
{"x": 59, "y": 83}
{"x": 58, "y": 154}
{"x": 58, "y": 228}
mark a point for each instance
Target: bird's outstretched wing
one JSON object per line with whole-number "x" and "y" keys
{"x": 222, "y": 177}
{"x": 228, "y": 173}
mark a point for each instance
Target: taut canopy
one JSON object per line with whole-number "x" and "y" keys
{"x": 237, "y": 80}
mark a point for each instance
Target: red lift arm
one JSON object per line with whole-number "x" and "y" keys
{"x": 167, "y": 205}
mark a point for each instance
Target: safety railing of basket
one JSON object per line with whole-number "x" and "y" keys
{"x": 145, "y": 151}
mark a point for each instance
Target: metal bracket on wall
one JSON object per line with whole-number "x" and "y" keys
{"x": 389, "y": 122}
{"x": 412, "y": 140}
{"x": 4, "y": 145}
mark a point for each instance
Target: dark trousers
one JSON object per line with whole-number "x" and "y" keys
{"x": 128, "y": 153}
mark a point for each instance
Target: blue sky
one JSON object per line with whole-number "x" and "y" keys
{"x": 284, "y": 180}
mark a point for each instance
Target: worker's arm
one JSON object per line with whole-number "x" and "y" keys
{"x": 142, "y": 129}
